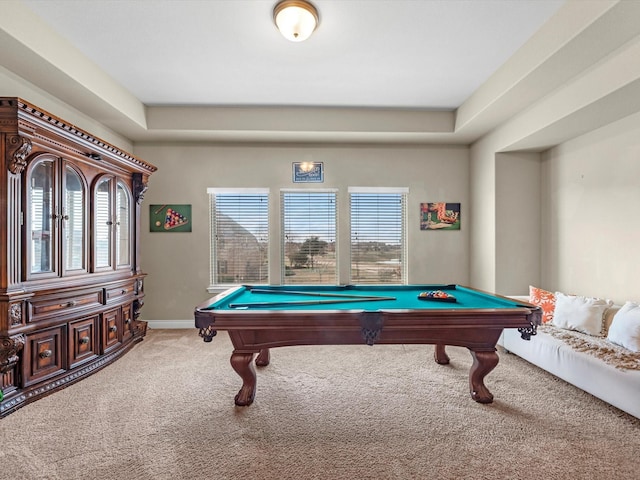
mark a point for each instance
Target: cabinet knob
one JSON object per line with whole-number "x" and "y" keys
{"x": 45, "y": 354}
{"x": 72, "y": 303}
{"x": 123, "y": 291}
{"x": 127, "y": 321}
{"x": 83, "y": 340}
{"x": 113, "y": 328}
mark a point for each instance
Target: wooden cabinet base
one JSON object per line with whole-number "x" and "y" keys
{"x": 15, "y": 398}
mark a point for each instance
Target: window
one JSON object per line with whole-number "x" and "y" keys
{"x": 239, "y": 235}
{"x": 378, "y": 238}
{"x": 309, "y": 237}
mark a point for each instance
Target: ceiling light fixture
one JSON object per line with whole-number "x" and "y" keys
{"x": 296, "y": 19}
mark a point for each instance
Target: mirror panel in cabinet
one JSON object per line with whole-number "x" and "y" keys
{"x": 73, "y": 217}
{"x": 103, "y": 223}
{"x": 41, "y": 217}
{"x": 123, "y": 224}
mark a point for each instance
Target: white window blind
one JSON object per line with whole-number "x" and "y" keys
{"x": 309, "y": 237}
{"x": 239, "y": 235}
{"x": 378, "y": 238}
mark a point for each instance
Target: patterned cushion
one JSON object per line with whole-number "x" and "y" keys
{"x": 545, "y": 300}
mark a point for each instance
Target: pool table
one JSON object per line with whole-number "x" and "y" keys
{"x": 260, "y": 317}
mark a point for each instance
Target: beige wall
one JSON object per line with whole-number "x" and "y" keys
{"x": 178, "y": 264}
{"x": 482, "y": 213}
{"x": 505, "y": 217}
{"x": 565, "y": 219}
{"x": 517, "y": 217}
{"x": 591, "y": 213}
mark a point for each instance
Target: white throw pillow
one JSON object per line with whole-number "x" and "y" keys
{"x": 625, "y": 328}
{"x": 583, "y": 314}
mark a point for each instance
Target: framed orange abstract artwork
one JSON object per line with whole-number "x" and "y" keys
{"x": 439, "y": 216}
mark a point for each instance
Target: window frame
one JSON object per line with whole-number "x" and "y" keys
{"x": 284, "y": 234}
{"x": 403, "y": 237}
{"x": 214, "y": 256}
{"x": 275, "y": 230}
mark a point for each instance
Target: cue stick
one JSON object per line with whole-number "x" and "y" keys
{"x": 308, "y": 302}
{"x": 315, "y": 294}
{"x": 158, "y": 210}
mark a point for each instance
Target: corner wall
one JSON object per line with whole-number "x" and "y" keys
{"x": 517, "y": 194}
{"x": 591, "y": 213}
{"x": 566, "y": 219}
{"x": 482, "y": 216}
{"x": 505, "y": 218}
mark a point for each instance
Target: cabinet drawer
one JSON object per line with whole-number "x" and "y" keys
{"x": 122, "y": 291}
{"x": 44, "y": 355}
{"x": 111, "y": 329}
{"x": 127, "y": 322}
{"x": 62, "y": 304}
{"x": 83, "y": 341}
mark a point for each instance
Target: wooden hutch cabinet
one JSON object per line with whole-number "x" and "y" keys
{"x": 71, "y": 288}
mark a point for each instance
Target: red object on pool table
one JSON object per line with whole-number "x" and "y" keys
{"x": 261, "y": 317}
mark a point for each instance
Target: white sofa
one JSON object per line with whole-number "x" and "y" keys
{"x": 616, "y": 386}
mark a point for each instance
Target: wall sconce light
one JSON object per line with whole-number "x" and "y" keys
{"x": 296, "y": 19}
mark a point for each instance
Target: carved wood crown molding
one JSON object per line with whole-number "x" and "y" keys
{"x": 18, "y": 149}
{"x": 75, "y": 132}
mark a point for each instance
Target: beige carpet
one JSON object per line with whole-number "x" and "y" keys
{"x": 165, "y": 411}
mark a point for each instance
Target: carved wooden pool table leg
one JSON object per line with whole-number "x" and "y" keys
{"x": 263, "y": 358}
{"x": 483, "y": 363}
{"x": 440, "y": 355}
{"x": 241, "y": 363}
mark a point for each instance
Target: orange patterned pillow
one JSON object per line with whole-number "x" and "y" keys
{"x": 545, "y": 300}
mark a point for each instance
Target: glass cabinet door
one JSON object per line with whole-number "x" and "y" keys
{"x": 103, "y": 223}
{"x": 60, "y": 227}
{"x": 123, "y": 226}
{"x": 42, "y": 218}
{"x": 73, "y": 221}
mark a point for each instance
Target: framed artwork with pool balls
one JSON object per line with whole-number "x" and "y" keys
{"x": 170, "y": 218}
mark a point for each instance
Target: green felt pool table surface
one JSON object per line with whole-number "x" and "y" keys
{"x": 397, "y": 297}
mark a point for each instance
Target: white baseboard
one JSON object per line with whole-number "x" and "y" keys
{"x": 160, "y": 324}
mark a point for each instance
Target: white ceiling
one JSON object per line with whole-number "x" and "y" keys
{"x": 375, "y": 71}
{"x": 415, "y": 54}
